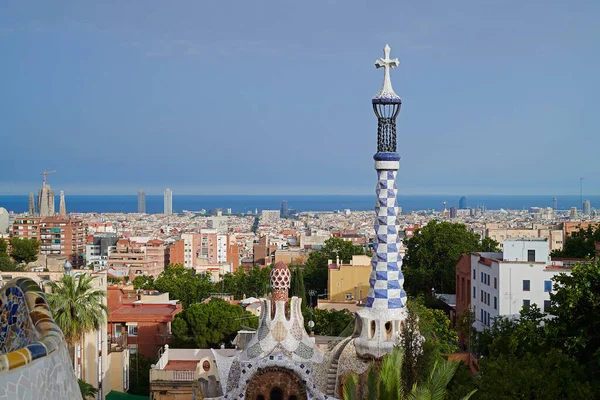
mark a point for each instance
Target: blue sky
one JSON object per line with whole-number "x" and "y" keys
{"x": 257, "y": 97}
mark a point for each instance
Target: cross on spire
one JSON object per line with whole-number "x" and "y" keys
{"x": 386, "y": 63}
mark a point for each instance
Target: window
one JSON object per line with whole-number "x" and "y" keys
{"x": 474, "y": 277}
{"x": 481, "y": 297}
{"x": 488, "y": 299}
{"x": 495, "y": 283}
{"x": 526, "y": 285}
{"x": 495, "y": 303}
{"x": 526, "y": 303}
{"x": 546, "y": 306}
{"x": 474, "y": 292}
{"x": 132, "y": 330}
{"x": 482, "y": 277}
{"x": 531, "y": 255}
{"x": 547, "y": 286}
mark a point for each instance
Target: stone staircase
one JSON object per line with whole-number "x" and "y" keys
{"x": 332, "y": 378}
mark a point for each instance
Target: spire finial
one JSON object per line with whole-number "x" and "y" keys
{"x": 387, "y": 92}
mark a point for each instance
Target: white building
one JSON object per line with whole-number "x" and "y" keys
{"x": 222, "y": 241}
{"x": 269, "y": 217}
{"x": 502, "y": 283}
{"x": 168, "y": 202}
{"x": 3, "y": 220}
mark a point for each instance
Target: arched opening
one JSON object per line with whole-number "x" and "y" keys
{"x": 276, "y": 394}
{"x": 372, "y": 330}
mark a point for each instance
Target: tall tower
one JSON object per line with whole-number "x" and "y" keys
{"x": 62, "y": 209}
{"x": 31, "y": 204}
{"x": 168, "y": 206}
{"x": 554, "y": 203}
{"x": 587, "y": 207}
{"x": 141, "y": 202}
{"x": 379, "y": 322}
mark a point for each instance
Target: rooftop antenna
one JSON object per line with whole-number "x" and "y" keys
{"x": 45, "y": 173}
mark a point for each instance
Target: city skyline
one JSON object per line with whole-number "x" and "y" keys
{"x": 480, "y": 82}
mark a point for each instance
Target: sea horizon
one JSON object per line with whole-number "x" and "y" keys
{"x": 244, "y": 203}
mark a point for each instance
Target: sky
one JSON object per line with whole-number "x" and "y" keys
{"x": 274, "y": 97}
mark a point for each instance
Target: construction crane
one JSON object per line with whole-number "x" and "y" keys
{"x": 47, "y": 173}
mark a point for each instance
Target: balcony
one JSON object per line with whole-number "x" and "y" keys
{"x": 117, "y": 343}
{"x": 172, "y": 375}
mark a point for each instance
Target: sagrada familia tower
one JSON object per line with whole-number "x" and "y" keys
{"x": 282, "y": 361}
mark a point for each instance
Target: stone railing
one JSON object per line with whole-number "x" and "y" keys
{"x": 34, "y": 361}
{"x": 173, "y": 375}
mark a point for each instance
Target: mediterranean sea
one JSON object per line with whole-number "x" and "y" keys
{"x": 242, "y": 203}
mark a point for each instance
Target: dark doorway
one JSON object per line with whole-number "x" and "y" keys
{"x": 276, "y": 394}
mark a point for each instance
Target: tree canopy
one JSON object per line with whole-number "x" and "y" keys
{"x": 24, "y": 250}
{"x": 432, "y": 253}
{"x": 255, "y": 283}
{"x": 208, "y": 325}
{"x": 332, "y": 322}
{"x": 580, "y": 244}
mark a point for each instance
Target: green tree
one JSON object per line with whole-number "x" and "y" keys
{"x": 77, "y": 307}
{"x": 3, "y": 248}
{"x": 432, "y": 253}
{"x": 210, "y": 324}
{"x": 333, "y": 322}
{"x": 144, "y": 282}
{"x": 580, "y": 244}
{"x": 255, "y": 283}
{"x": 88, "y": 391}
{"x": 575, "y": 305}
{"x": 389, "y": 385}
{"x": 139, "y": 374}
{"x": 8, "y": 265}
{"x": 297, "y": 287}
{"x": 24, "y": 250}
{"x": 183, "y": 284}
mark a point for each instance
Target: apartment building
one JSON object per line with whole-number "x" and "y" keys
{"x": 501, "y": 284}
{"x": 58, "y": 235}
{"x": 139, "y": 256}
{"x": 554, "y": 233}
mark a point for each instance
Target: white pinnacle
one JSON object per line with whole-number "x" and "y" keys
{"x": 387, "y": 63}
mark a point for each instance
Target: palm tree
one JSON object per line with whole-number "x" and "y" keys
{"x": 77, "y": 307}
{"x": 87, "y": 390}
{"x": 388, "y": 385}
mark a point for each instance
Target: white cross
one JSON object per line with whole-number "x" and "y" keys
{"x": 387, "y": 64}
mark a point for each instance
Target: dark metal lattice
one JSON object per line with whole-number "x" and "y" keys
{"x": 386, "y": 126}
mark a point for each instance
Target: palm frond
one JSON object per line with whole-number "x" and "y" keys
{"x": 372, "y": 384}
{"x": 390, "y": 375}
{"x": 350, "y": 387}
{"x": 468, "y": 395}
{"x": 440, "y": 376}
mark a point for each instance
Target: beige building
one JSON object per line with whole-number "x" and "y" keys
{"x": 349, "y": 282}
{"x": 292, "y": 256}
{"x": 553, "y": 233}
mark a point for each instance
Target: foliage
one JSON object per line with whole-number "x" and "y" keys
{"x": 113, "y": 280}
{"x": 144, "y": 282}
{"x": 389, "y": 384}
{"x": 88, "y": 391}
{"x": 332, "y": 322}
{"x": 432, "y": 253}
{"x": 208, "y": 325}
{"x": 580, "y": 244}
{"x": 297, "y": 287}
{"x": 77, "y": 307}
{"x": 181, "y": 283}
{"x": 24, "y": 250}
{"x": 139, "y": 374}
{"x": 575, "y": 305}
{"x": 315, "y": 267}
{"x": 8, "y": 265}
{"x": 3, "y": 248}
{"x": 434, "y": 325}
{"x": 255, "y": 283}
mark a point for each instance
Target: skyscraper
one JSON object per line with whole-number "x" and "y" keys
{"x": 463, "y": 204}
{"x": 31, "y": 204}
{"x": 554, "y": 204}
{"x": 587, "y": 207}
{"x": 168, "y": 200}
{"x": 284, "y": 209}
{"x": 62, "y": 209}
{"x": 141, "y": 202}
{"x": 385, "y": 309}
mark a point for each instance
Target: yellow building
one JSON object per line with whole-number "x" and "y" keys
{"x": 349, "y": 282}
